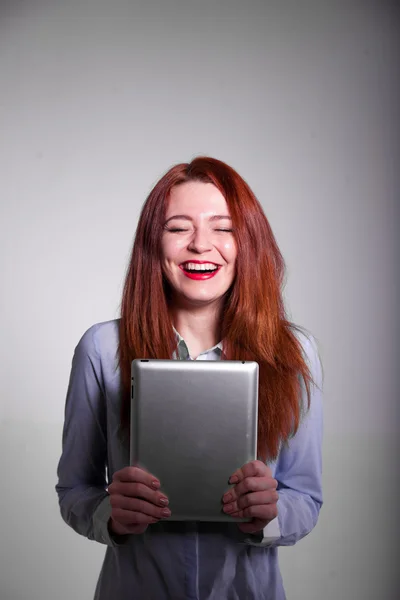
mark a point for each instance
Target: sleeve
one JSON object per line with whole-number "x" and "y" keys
{"x": 82, "y": 485}
{"x": 298, "y": 470}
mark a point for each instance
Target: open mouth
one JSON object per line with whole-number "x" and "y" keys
{"x": 191, "y": 267}
{"x": 199, "y": 270}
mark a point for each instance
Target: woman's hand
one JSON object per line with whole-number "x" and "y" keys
{"x": 135, "y": 501}
{"x": 254, "y": 495}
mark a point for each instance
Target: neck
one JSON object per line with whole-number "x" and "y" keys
{"x": 199, "y": 327}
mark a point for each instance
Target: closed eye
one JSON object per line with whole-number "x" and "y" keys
{"x": 177, "y": 230}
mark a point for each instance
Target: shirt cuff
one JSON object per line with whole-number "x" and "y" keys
{"x": 101, "y": 517}
{"x": 270, "y": 534}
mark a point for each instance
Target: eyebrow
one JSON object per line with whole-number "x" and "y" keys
{"x": 187, "y": 218}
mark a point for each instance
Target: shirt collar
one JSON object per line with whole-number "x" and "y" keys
{"x": 183, "y": 350}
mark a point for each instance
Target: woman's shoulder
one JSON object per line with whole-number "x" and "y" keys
{"x": 306, "y": 338}
{"x": 100, "y": 340}
{"x": 311, "y": 351}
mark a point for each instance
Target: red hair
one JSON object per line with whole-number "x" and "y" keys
{"x": 253, "y": 321}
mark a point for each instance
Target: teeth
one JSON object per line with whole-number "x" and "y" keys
{"x": 197, "y": 267}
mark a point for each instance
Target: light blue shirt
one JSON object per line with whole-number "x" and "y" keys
{"x": 176, "y": 560}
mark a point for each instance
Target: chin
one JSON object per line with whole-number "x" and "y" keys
{"x": 200, "y": 299}
{"x": 206, "y": 295}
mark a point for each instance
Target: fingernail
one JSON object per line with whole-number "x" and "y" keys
{"x": 155, "y": 484}
{"x": 166, "y": 512}
{"x": 227, "y": 497}
{"x": 234, "y": 479}
{"x": 164, "y": 501}
{"x": 228, "y": 508}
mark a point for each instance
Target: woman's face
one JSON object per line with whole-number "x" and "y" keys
{"x": 198, "y": 246}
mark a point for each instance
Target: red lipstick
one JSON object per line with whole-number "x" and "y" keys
{"x": 199, "y": 275}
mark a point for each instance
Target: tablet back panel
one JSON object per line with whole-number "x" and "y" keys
{"x": 193, "y": 423}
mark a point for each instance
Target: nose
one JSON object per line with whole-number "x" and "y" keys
{"x": 200, "y": 242}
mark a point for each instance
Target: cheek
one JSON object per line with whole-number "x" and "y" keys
{"x": 179, "y": 244}
{"x": 230, "y": 251}
{"x": 171, "y": 250}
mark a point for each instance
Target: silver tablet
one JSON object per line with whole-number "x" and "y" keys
{"x": 193, "y": 423}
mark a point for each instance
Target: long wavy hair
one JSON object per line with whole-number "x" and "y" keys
{"x": 253, "y": 320}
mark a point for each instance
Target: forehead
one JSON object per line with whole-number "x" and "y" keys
{"x": 194, "y": 198}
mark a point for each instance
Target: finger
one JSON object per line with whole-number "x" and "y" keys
{"x": 250, "y": 484}
{"x": 265, "y": 512}
{"x": 264, "y": 497}
{"x": 137, "y": 505}
{"x": 127, "y": 517}
{"x": 255, "y": 468}
{"x": 254, "y": 526}
{"x": 138, "y": 490}
{"x": 118, "y": 529}
{"x": 136, "y": 475}
{"x": 136, "y": 529}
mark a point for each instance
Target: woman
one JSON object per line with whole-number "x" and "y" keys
{"x": 204, "y": 283}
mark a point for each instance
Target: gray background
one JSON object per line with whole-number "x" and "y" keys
{"x": 97, "y": 100}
